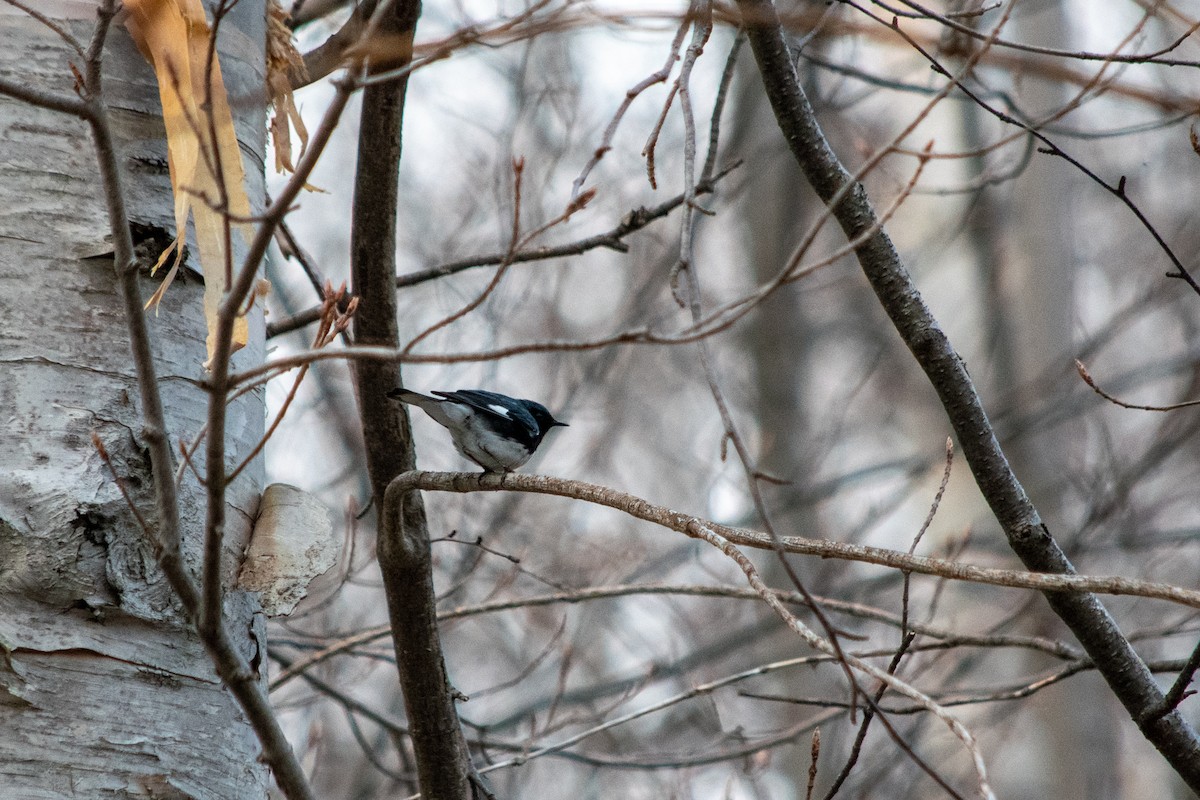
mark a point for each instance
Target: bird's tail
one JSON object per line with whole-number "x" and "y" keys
{"x": 411, "y": 397}
{"x": 433, "y": 406}
{"x": 408, "y": 395}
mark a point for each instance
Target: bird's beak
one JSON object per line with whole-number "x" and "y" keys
{"x": 560, "y": 424}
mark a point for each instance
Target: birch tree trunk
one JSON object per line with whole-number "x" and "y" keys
{"x": 105, "y": 690}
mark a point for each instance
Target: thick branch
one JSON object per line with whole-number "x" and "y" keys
{"x": 443, "y": 765}
{"x": 1125, "y": 672}
{"x": 407, "y": 566}
{"x": 821, "y": 548}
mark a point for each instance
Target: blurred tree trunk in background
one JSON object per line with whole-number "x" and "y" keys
{"x": 776, "y": 207}
{"x": 1023, "y": 237}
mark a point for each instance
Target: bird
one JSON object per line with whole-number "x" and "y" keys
{"x": 497, "y": 432}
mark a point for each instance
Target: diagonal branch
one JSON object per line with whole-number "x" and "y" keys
{"x": 1125, "y": 672}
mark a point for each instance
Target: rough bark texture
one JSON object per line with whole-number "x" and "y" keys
{"x": 404, "y": 557}
{"x": 104, "y": 691}
{"x": 1029, "y": 538}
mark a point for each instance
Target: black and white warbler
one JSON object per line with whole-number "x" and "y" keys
{"x": 497, "y": 432}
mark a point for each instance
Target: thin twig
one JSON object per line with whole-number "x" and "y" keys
{"x": 137, "y": 514}
{"x": 229, "y": 664}
{"x": 868, "y": 716}
{"x": 1087, "y": 378}
{"x": 814, "y": 752}
{"x": 1179, "y": 689}
{"x": 27, "y": 93}
{"x": 612, "y": 239}
{"x": 58, "y": 29}
{"x": 630, "y": 95}
{"x": 714, "y": 126}
{"x": 655, "y": 132}
{"x": 937, "y": 498}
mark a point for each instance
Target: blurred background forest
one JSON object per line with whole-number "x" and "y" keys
{"x": 559, "y": 617}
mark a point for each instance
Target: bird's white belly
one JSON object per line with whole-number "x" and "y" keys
{"x": 480, "y": 444}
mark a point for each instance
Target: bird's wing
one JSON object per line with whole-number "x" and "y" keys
{"x": 494, "y": 405}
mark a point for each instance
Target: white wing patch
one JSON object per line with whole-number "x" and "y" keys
{"x": 501, "y": 410}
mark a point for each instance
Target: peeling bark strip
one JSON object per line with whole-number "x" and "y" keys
{"x": 1087, "y": 618}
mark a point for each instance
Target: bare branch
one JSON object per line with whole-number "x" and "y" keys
{"x": 612, "y": 239}
{"x": 1087, "y": 378}
{"x": 230, "y": 665}
{"x": 714, "y": 535}
{"x": 443, "y": 764}
{"x": 1116, "y": 659}
{"x": 1056, "y": 584}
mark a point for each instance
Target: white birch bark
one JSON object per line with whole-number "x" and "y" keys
{"x": 105, "y": 691}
